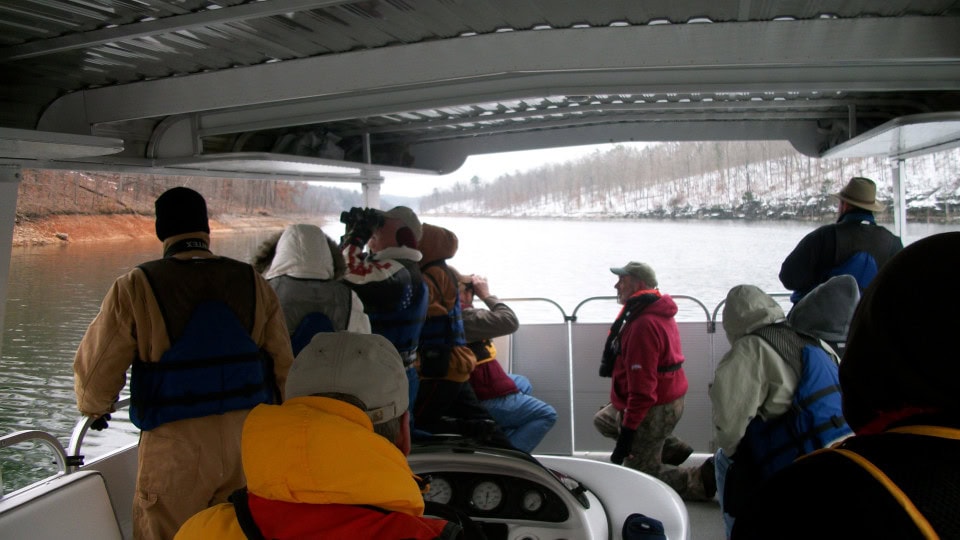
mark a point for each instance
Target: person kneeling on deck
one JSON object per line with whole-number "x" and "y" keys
{"x": 207, "y": 341}
{"x": 644, "y": 358}
{"x": 775, "y": 395}
{"x": 524, "y": 419}
{"x": 330, "y": 462}
{"x": 899, "y": 475}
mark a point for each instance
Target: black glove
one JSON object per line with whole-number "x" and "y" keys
{"x": 361, "y": 224}
{"x": 348, "y": 240}
{"x": 100, "y": 423}
{"x": 357, "y": 235}
{"x": 624, "y": 444}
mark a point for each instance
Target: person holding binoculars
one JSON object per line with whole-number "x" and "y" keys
{"x": 387, "y": 276}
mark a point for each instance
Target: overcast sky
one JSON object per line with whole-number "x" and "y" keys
{"x": 488, "y": 167}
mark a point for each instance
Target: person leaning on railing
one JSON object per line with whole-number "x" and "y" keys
{"x": 207, "y": 342}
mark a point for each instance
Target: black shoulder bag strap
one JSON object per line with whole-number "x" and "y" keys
{"x": 242, "y": 507}
{"x": 611, "y": 348}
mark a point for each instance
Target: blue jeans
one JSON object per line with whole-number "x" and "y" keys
{"x": 522, "y": 382}
{"x": 721, "y": 464}
{"x": 523, "y": 418}
{"x": 413, "y": 384}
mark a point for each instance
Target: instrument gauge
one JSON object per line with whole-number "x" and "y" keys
{"x": 486, "y": 496}
{"x": 532, "y": 501}
{"x": 440, "y": 491}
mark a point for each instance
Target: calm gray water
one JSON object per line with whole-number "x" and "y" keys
{"x": 55, "y": 291}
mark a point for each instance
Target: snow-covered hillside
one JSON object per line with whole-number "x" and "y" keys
{"x": 757, "y": 190}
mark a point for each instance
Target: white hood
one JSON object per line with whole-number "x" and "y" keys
{"x": 303, "y": 253}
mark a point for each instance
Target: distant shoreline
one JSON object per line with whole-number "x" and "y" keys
{"x": 884, "y": 218}
{"x": 69, "y": 228}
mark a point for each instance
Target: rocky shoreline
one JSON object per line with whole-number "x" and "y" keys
{"x": 63, "y": 228}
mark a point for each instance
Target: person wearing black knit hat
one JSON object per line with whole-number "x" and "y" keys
{"x": 195, "y": 328}
{"x": 180, "y": 210}
{"x": 899, "y": 475}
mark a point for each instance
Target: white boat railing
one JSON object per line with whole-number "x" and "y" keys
{"x": 561, "y": 360}
{"x": 80, "y": 431}
{"x": 30, "y": 435}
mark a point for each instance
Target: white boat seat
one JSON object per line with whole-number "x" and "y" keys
{"x": 75, "y": 506}
{"x": 625, "y": 491}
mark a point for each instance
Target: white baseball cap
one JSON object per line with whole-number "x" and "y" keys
{"x": 366, "y": 366}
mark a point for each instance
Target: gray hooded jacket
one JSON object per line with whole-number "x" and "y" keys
{"x": 302, "y": 274}
{"x": 751, "y": 379}
{"x": 826, "y": 311}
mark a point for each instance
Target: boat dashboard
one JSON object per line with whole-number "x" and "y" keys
{"x": 493, "y": 493}
{"x": 500, "y": 494}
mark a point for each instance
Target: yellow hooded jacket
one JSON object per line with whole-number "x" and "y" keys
{"x": 314, "y": 450}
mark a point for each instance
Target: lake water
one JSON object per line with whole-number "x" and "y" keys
{"x": 55, "y": 291}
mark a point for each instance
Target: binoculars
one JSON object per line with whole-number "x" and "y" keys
{"x": 358, "y": 218}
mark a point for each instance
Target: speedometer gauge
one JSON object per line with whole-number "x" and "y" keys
{"x": 486, "y": 496}
{"x": 440, "y": 491}
{"x": 532, "y": 501}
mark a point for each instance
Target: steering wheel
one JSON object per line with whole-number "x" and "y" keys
{"x": 471, "y": 529}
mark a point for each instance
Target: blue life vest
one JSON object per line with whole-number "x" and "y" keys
{"x": 402, "y": 326}
{"x": 441, "y": 333}
{"x": 862, "y": 266}
{"x": 213, "y": 366}
{"x": 312, "y": 323}
{"x": 446, "y": 329}
{"x": 814, "y": 420}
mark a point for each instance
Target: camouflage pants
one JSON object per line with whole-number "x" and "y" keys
{"x": 653, "y": 433}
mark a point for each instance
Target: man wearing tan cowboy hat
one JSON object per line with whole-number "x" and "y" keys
{"x": 854, "y": 245}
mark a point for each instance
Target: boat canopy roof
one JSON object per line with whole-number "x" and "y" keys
{"x": 327, "y": 88}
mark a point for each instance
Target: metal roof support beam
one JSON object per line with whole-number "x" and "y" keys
{"x": 446, "y": 156}
{"x": 899, "y": 198}
{"x": 371, "y": 192}
{"x": 695, "y": 110}
{"x": 852, "y": 121}
{"x": 9, "y": 185}
{"x": 815, "y": 56}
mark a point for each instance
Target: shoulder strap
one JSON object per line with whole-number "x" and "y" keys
{"x": 931, "y": 431}
{"x": 242, "y": 507}
{"x": 787, "y": 342}
{"x": 918, "y": 518}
